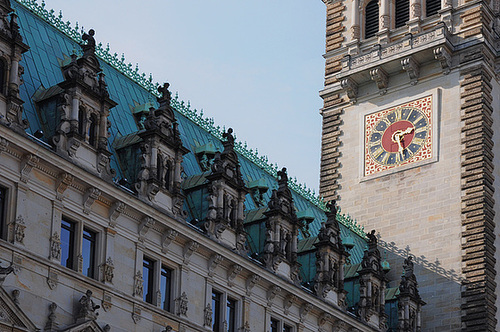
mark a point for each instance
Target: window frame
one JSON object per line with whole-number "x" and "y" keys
{"x": 93, "y": 253}
{"x": 158, "y": 297}
{"x": 78, "y": 259}
{"x": 281, "y": 324}
{"x": 222, "y": 309}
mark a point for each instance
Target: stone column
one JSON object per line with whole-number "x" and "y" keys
{"x": 384, "y": 21}
{"x": 355, "y": 29}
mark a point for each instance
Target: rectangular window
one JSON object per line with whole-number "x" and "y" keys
{"x": 67, "y": 243}
{"x": 216, "y": 303}
{"x": 274, "y": 325}
{"x": 88, "y": 253}
{"x": 166, "y": 287}
{"x": 231, "y": 315}
{"x": 148, "y": 280}
{"x": 287, "y": 328}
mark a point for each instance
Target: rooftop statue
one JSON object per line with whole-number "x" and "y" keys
{"x": 89, "y": 48}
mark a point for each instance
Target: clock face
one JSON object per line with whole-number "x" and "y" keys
{"x": 398, "y": 136}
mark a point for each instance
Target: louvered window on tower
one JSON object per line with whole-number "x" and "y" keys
{"x": 371, "y": 19}
{"x": 402, "y": 12}
{"x": 432, "y": 7}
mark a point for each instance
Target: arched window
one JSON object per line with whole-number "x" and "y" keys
{"x": 3, "y": 76}
{"x": 92, "y": 130}
{"x": 168, "y": 169}
{"x": 371, "y": 19}
{"x": 402, "y": 12}
{"x": 159, "y": 167}
{"x": 432, "y": 7}
{"x": 81, "y": 122}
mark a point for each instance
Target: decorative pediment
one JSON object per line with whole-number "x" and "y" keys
{"x": 88, "y": 326}
{"x": 12, "y": 316}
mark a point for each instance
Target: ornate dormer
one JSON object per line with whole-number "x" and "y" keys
{"x": 76, "y": 112}
{"x": 330, "y": 260}
{"x": 372, "y": 284}
{"x": 11, "y": 49}
{"x": 226, "y": 197}
{"x": 282, "y": 229}
{"x": 409, "y": 301}
{"x": 161, "y": 154}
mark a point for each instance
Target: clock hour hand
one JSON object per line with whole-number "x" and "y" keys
{"x": 399, "y": 135}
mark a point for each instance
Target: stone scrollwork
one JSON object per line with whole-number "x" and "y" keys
{"x": 288, "y": 302}
{"x": 381, "y": 79}
{"x": 168, "y": 236}
{"x": 29, "y": 161}
{"x": 116, "y": 210}
{"x": 91, "y": 195}
{"x": 444, "y": 57}
{"x": 304, "y": 310}
{"x": 350, "y": 87}
{"x": 411, "y": 66}
{"x": 232, "y": 273}
{"x": 251, "y": 282}
{"x": 190, "y": 248}
{"x": 213, "y": 262}
{"x": 271, "y": 294}
{"x": 144, "y": 227}
{"x": 64, "y": 180}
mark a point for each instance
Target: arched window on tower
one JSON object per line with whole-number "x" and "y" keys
{"x": 92, "y": 130}
{"x": 81, "y": 121}
{"x": 371, "y": 19}
{"x": 168, "y": 170}
{"x": 159, "y": 168}
{"x": 432, "y": 7}
{"x": 3, "y": 76}
{"x": 402, "y": 12}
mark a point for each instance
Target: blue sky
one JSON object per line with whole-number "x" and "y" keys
{"x": 255, "y": 66}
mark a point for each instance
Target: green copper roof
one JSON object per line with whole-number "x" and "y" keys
{"x": 52, "y": 40}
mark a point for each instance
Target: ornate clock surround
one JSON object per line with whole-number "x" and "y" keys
{"x": 413, "y": 123}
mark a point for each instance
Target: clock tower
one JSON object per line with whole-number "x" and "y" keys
{"x": 411, "y": 143}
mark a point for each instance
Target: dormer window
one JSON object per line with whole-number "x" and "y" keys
{"x": 371, "y": 19}
{"x": 402, "y": 13}
{"x": 432, "y": 7}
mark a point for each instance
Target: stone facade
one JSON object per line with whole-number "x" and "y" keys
{"x": 441, "y": 211}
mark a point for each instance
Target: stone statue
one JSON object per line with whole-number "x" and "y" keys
{"x": 229, "y": 136}
{"x": 89, "y": 48}
{"x": 88, "y": 307}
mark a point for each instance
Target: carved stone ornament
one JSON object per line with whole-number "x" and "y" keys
{"x": 379, "y": 76}
{"x": 64, "y": 180}
{"x": 138, "y": 284}
{"x": 444, "y": 57}
{"x": 288, "y": 302}
{"x": 168, "y": 236}
{"x": 89, "y": 198}
{"x": 189, "y": 249}
{"x": 251, "y": 282}
{"x": 55, "y": 247}
{"x": 136, "y": 313}
{"x": 116, "y": 210}
{"x": 106, "y": 302}
{"x": 412, "y": 68}
{"x": 3, "y": 145}
{"x": 271, "y": 294}
{"x": 304, "y": 310}
{"x": 144, "y": 227}
{"x": 108, "y": 270}
{"x": 51, "y": 325}
{"x": 182, "y": 304}
{"x": 213, "y": 262}
{"x": 29, "y": 161}
{"x": 350, "y": 87}
{"x": 52, "y": 280}
{"x": 87, "y": 308}
{"x": 232, "y": 273}
{"x": 245, "y": 327}
{"x": 207, "y": 321}
{"x": 18, "y": 227}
